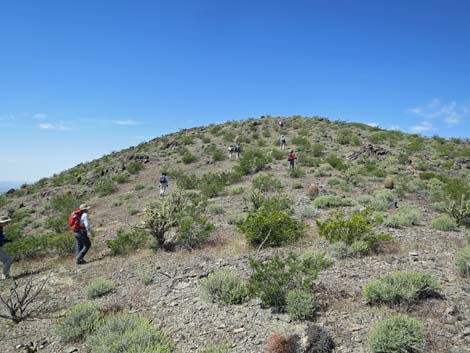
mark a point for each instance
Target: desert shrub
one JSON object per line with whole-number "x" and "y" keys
{"x": 236, "y": 219}
{"x": 186, "y": 139}
{"x": 126, "y": 242}
{"x": 382, "y": 199}
{"x": 237, "y": 190}
{"x": 215, "y": 209}
{"x": 218, "y": 155}
{"x": 188, "y": 157}
{"x": 278, "y": 343}
{"x": 462, "y": 261}
{"x": 300, "y": 304}
{"x": 125, "y": 333}
{"x": 225, "y": 287}
{"x": 228, "y": 136}
{"x": 62, "y": 205}
{"x": 187, "y": 182}
{"x": 266, "y": 182}
{"x": 397, "y": 334}
{"x": 313, "y": 191}
{"x": 272, "y": 224}
{"x": 278, "y": 154}
{"x": 78, "y": 322}
{"x": 216, "y": 348}
{"x": 356, "y": 231}
{"x": 444, "y": 223}
{"x": 296, "y": 173}
{"x": 139, "y": 187}
{"x": 339, "y": 183}
{"x": 193, "y": 230}
{"x": 104, "y": 187}
{"x": 435, "y": 190}
{"x": 323, "y": 170}
{"x": 215, "y": 129}
{"x": 253, "y": 161}
{"x": 318, "y": 340}
{"x": 273, "y": 278}
{"x": 134, "y": 167}
{"x": 305, "y": 159}
{"x": 401, "y": 287}
{"x": 212, "y": 184}
{"x": 98, "y": 288}
{"x": 121, "y": 178}
{"x": 329, "y": 201}
{"x": 460, "y": 211}
{"x": 301, "y": 141}
{"x": 405, "y": 216}
{"x": 317, "y": 149}
{"x": 37, "y": 246}
{"x": 297, "y": 186}
{"x": 336, "y": 162}
{"x": 388, "y": 183}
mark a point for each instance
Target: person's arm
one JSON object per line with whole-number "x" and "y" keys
{"x": 86, "y": 224}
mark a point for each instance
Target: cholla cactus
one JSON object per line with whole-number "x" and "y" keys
{"x": 460, "y": 211}
{"x": 161, "y": 216}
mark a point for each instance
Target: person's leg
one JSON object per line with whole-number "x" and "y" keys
{"x": 160, "y": 186}
{"x": 7, "y": 261}
{"x": 79, "y": 245}
{"x": 83, "y": 244}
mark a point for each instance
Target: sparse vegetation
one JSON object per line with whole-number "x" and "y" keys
{"x": 225, "y": 287}
{"x": 300, "y": 304}
{"x": 397, "y": 334}
{"x": 330, "y": 201}
{"x": 79, "y": 321}
{"x": 126, "y": 242}
{"x": 98, "y": 288}
{"x": 463, "y": 261}
{"x": 444, "y": 223}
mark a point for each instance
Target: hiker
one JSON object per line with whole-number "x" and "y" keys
{"x": 237, "y": 150}
{"x": 163, "y": 184}
{"x": 282, "y": 142}
{"x": 291, "y": 157}
{"x": 4, "y": 257}
{"x": 78, "y": 221}
{"x": 230, "y": 151}
{"x": 281, "y": 124}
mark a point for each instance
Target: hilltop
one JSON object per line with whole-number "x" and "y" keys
{"x": 397, "y": 184}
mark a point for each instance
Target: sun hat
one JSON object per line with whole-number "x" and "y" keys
{"x": 84, "y": 207}
{"x": 4, "y": 219}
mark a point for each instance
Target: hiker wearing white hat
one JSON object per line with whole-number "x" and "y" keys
{"x": 4, "y": 257}
{"x": 78, "y": 221}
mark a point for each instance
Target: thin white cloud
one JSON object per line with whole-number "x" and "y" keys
{"x": 423, "y": 127}
{"x": 49, "y": 126}
{"x": 373, "y": 124}
{"x": 451, "y": 113}
{"x": 39, "y": 116}
{"x": 128, "y": 122}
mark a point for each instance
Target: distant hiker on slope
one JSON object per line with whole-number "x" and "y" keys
{"x": 282, "y": 142}
{"x": 163, "y": 185}
{"x": 291, "y": 157}
{"x": 78, "y": 221}
{"x": 281, "y": 124}
{"x": 4, "y": 257}
{"x": 237, "y": 150}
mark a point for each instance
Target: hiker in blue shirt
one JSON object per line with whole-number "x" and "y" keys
{"x": 163, "y": 184}
{"x": 4, "y": 257}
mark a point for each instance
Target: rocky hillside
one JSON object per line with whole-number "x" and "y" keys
{"x": 362, "y": 202}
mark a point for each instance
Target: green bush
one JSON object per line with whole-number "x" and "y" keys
{"x": 401, "y": 287}
{"x": 188, "y": 158}
{"x": 276, "y": 226}
{"x": 30, "y": 247}
{"x": 215, "y": 209}
{"x": 278, "y": 154}
{"x": 78, "y": 322}
{"x": 382, "y": 199}
{"x": 301, "y": 141}
{"x": 317, "y": 149}
{"x": 187, "y": 182}
{"x": 134, "y": 167}
{"x": 405, "y": 216}
{"x": 224, "y": 287}
{"x": 104, "y": 187}
{"x": 336, "y": 162}
{"x": 463, "y": 261}
{"x": 62, "y": 205}
{"x": 253, "y": 161}
{"x": 460, "y": 211}
{"x": 126, "y": 242}
{"x": 397, "y": 334}
{"x": 296, "y": 173}
{"x": 323, "y": 170}
{"x": 444, "y": 223}
{"x": 266, "y": 182}
{"x": 139, "y": 187}
{"x": 356, "y": 231}
{"x": 98, "y": 288}
{"x": 329, "y": 201}
{"x": 218, "y": 155}
{"x": 193, "y": 230}
{"x": 212, "y": 184}
{"x": 121, "y": 178}
{"x": 301, "y": 304}
{"x": 125, "y": 333}
{"x": 274, "y": 278}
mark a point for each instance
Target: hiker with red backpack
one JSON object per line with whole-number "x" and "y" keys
{"x": 291, "y": 157}
{"x": 78, "y": 221}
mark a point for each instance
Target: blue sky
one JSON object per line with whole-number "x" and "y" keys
{"x": 79, "y": 79}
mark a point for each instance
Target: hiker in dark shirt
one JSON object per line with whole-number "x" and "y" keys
{"x": 4, "y": 257}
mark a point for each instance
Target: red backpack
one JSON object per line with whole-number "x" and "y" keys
{"x": 74, "y": 220}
